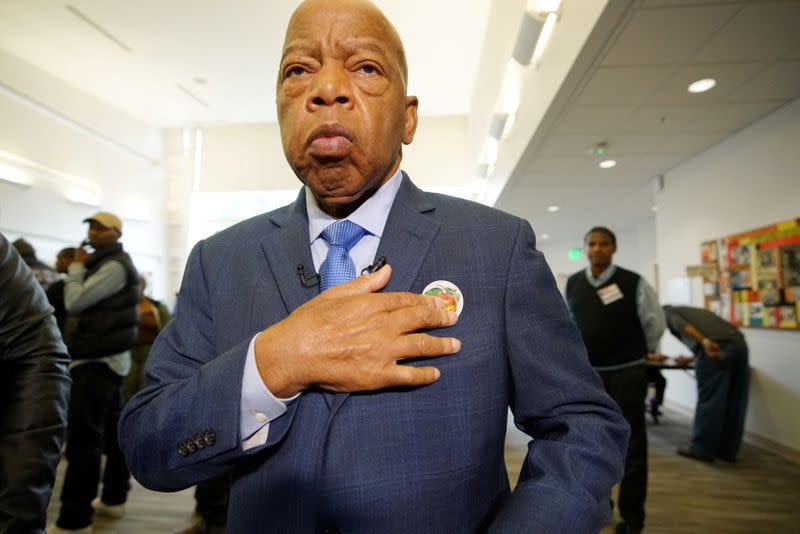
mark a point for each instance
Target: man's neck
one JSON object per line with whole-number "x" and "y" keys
{"x": 597, "y": 270}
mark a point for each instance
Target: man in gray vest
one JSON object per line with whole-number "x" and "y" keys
{"x": 100, "y": 296}
{"x": 618, "y": 315}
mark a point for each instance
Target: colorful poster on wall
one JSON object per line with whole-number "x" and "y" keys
{"x": 752, "y": 279}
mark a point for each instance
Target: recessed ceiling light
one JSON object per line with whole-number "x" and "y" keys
{"x": 552, "y": 209}
{"x": 700, "y": 86}
{"x": 545, "y": 236}
{"x": 608, "y": 163}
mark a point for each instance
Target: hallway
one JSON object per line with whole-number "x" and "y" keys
{"x": 759, "y": 494}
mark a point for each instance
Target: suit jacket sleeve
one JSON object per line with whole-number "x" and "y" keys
{"x": 579, "y": 436}
{"x": 34, "y": 390}
{"x": 184, "y": 426}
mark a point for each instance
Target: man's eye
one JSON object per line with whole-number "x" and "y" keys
{"x": 295, "y": 71}
{"x": 367, "y": 69}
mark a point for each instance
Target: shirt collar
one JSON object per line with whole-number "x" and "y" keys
{"x": 604, "y": 277}
{"x": 371, "y": 215}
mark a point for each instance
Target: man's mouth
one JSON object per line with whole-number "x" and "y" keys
{"x": 330, "y": 141}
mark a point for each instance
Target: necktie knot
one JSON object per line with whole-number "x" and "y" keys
{"x": 338, "y": 266}
{"x": 343, "y": 234}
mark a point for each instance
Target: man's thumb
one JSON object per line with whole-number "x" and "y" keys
{"x": 368, "y": 283}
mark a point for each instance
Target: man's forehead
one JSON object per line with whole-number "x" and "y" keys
{"x": 305, "y": 45}
{"x": 599, "y": 236}
{"x": 316, "y": 21}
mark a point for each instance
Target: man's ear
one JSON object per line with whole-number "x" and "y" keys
{"x": 411, "y": 119}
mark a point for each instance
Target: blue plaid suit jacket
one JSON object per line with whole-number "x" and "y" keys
{"x": 411, "y": 460}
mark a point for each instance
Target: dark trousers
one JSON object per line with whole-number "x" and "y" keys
{"x": 628, "y": 387}
{"x": 655, "y": 377}
{"x": 94, "y": 410}
{"x": 722, "y": 392}
{"x": 212, "y": 500}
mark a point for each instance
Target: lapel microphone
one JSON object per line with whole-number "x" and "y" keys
{"x": 313, "y": 280}
{"x": 369, "y": 269}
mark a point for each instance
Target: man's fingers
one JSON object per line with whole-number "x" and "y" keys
{"x": 424, "y": 345}
{"x": 406, "y": 375}
{"x": 422, "y": 316}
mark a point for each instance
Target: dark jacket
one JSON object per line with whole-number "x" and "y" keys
{"x": 612, "y": 332}
{"x": 34, "y": 391}
{"x": 111, "y": 325}
{"x": 407, "y": 460}
{"x": 55, "y": 294}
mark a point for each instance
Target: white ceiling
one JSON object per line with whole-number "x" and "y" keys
{"x": 627, "y": 88}
{"x": 633, "y": 96}
{"x": 233, "y": 46}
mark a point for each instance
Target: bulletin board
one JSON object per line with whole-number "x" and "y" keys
{"x": 752, "y": 279}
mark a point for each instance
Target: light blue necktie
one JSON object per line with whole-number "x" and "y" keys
{"x": 338, "y": 266}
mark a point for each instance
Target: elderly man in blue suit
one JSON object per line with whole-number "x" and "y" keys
{"x": 366, "y": 406}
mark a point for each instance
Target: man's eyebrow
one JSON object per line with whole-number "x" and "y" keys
{"x": 372, "y": 46}
{"x": 298, "y": 48}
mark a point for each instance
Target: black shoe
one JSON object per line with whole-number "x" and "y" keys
{"x": 623, "y": 528}
{"x": 689, "y": 453}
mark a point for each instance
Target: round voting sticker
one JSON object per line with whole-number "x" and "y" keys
{"x": 448, "y": 293}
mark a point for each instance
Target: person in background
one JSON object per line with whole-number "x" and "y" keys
{"x": 44, "y": 274}
{"x": 100, "y": 296}
{"x": 354, "y": 403}
{"x": 34, "y": 392}
{"x": 723, "y": 376}
{"x": 55, "y": 293}
{"x": 655, "y": 377}
{"x": 621, "y": 322}
{"x": 153, "y": 316}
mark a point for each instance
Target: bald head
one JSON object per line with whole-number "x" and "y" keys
{"x": 342, "y": 105}
{"x": 314, "y": 9}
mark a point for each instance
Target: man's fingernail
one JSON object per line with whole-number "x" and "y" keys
{"x": 436, "y": 373}
{"x": 456, "y": 344}
{"x": 452, "y": 317}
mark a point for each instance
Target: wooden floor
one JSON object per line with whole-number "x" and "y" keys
{"x": 761, "y": 493}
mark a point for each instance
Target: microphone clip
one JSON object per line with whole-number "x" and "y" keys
{"x": 311, "y": 281}
{"x": 369, "y": 269}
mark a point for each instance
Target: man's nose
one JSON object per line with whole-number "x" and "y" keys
{"x": 331, "y": 87}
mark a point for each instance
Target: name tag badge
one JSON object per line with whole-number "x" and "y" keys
{"x": 609, "y": 294}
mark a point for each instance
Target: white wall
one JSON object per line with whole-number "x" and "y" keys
{"x": 250, "y": 157}
{"x": 750, "y": 180}
{"x": 68, "y": 142}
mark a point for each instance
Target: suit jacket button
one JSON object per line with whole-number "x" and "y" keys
{"x": 199, "y": 441}
{"x": 191, "y": 446}
{"x": 182, "y": 450}
{"x": 209, "y": 437}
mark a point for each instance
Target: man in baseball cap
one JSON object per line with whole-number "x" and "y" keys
{"x": 100, "y": 296}
{"x": 107, "y": 219}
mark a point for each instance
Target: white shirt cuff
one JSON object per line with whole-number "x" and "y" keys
{"x": 258, "y": 405}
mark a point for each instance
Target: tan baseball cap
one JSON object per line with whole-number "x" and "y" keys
{"x": 107, "y": 219}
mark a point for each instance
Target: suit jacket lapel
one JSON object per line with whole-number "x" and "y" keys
{"x": 407, "y": 236}
{"x": 286, "y": 247}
